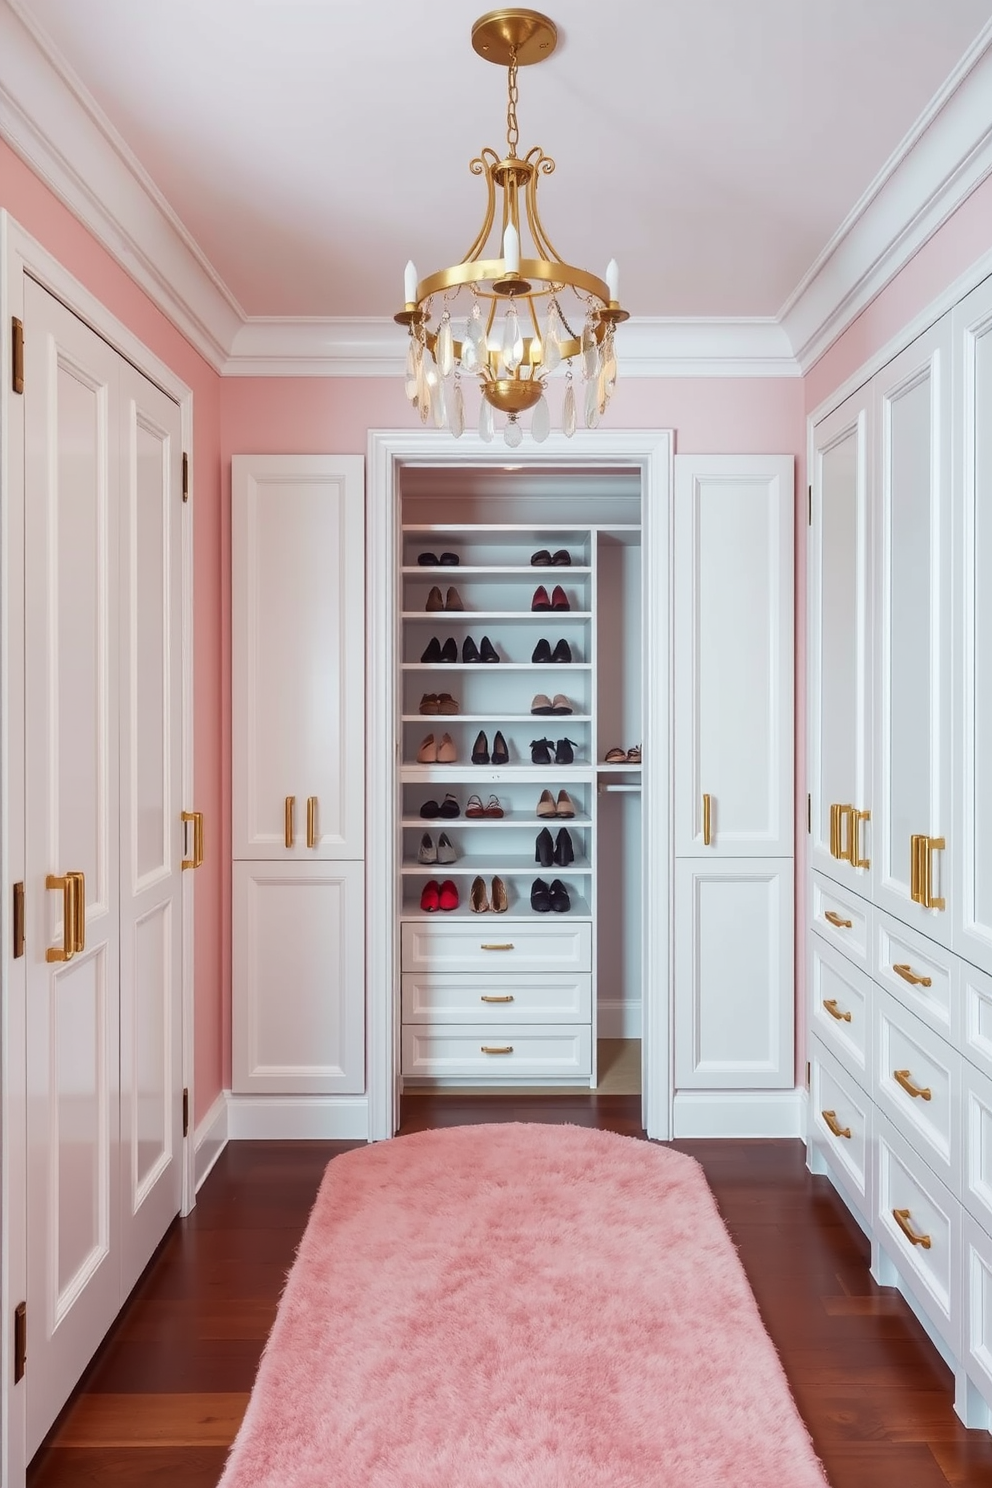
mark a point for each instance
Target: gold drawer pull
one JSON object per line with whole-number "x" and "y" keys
{"x": 903, "y": 1078}
{"x": 707, "y": 821}
{"x": 311, "y": 821}
{"x": 921, "y": 850}
{"x": 290, "y": 835}
{"x": 69, "y": 885}
{"x": 830, "y": 1003}
{"x": 901, "y": 1217}
{"x": 903, "y": 969}
{"x": 500, "y": 1049}
{"x": 507, "y": 947}
{"x": 830, "y": 1117}
{"x": 835, "y": 919}
{"x": 196, "y": 818}
{"x": 79, "y": 915}
{"x": 854, "y": 858}
{"x": 838, "y": 814}
{"x": 507, "y": 998}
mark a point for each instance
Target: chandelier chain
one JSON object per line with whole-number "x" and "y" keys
{"x": 513, "y": 95}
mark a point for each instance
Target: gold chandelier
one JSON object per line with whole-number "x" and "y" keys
{"x": 520, "y": 317}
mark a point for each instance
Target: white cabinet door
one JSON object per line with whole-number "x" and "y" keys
{"x": 912, "y": 800}
{"x": 839, "y": 645}
{"x": 299, "y": 978}
{"x": 734, "y": 519}
{"x": 298, "y": 656}
{"x": 734, "y": 983}
{"x": 971, "y": 850}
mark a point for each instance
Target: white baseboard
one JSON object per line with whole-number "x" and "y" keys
{"x": 618, "y": 1019}
{"x": 738, "y": 1113}
{"x": 209, "y": 1140}
{"x": 329, "y": 1118}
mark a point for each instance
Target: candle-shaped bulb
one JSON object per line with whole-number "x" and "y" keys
{"x": 511, "y": 250}
{"x": 613, "y": 280}
{"x": 410, "y": 283}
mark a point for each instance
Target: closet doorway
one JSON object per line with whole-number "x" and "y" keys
{"x": 581, "y": 980}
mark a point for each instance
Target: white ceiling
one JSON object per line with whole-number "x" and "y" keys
{"x": 309, "y": 147}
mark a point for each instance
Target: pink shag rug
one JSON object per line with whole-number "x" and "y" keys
{"x": 519, "y": 1306}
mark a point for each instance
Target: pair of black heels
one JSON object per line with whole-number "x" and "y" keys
{"x": 480, "y": 750}
{"x": 485, "y": 651}
{"x": 543, "y": 652}
{"x": 548, "y": 850}
{"x": 540, "y": 752}
{"x": 552, "y": 896}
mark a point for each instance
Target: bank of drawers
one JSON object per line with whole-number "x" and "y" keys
{"x": 497, "y": 1002}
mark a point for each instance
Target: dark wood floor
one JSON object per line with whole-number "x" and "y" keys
{"x": 167, "y": 1390}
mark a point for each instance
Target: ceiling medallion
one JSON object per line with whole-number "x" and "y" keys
{"x": 519, "y": 317}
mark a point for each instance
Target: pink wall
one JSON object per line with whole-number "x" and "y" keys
{"x": 34, "y": 207}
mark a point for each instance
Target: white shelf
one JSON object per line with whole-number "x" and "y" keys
{"x": 487, "y": 865}
{"x": 444, "y": 823}
{"x": 519, "y": 908}
{"x": 483, "y": 776}
{"x": 541, "y": 719}
{"x": 474, "y": 617}
{"x": 494, "y": 570}
{"x": 560, "y": 667}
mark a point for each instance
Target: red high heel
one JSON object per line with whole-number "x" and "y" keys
{"x": 430, "y": 899}
{"x": 448, "y": 895}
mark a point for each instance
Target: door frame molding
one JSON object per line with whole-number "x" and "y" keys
{"x": 22, "y": 256}
{"x": 652, "y": 452}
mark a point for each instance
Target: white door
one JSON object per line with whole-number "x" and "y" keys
{"x": 734, "y": 983}
{"x": 840, "y": 620}
{"x": 972, "y": 848}
{"x": 733, "y": 656}
{"x": 299, "y": 970}
{"x": 912, "y": 732}
{"x": 298, "y": 607}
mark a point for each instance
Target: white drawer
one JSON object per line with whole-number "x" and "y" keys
{"x": 526, "y": 1052}
{"x": 841, "y": 1008}
{"x": 976, "y": 1323}
{"x": 976, "y": 1003}
{"x": 930, "y": 1212}
{"x": 976, "y": 1176}
{"x": 510, "y": 947}
{"x": 840, "y": 1127}
{"x": 843, "y": 919}
{"x": 551, "y": 997}
{"x": 919, "y": 973}
{"x": 910, "y": 1057}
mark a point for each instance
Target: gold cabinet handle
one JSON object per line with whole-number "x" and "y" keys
{"x": 830, "y": 1003}
{"x": 835, "y": 919}
{"x": 921, "y": 850}
{"x": 507, "y": 947}
{"x": 901, "y": 1217}
{"x": 838, "y": 815}
{"x": 196, "y": 817}
{"x": 497, "y": 1049}
{"x": 707, "y": 821}
{"x": 918, "y": 1092}
{"x": 79, "y": 912}
{"x": 311, "y": 821}
{"x": 834, "y": 830}
{"x": 901, "y": 968}
{"x": 507, "y": 998}
{"x": 289, "y": 829}
{"x": 69, "y": 885}
{"x": 855, "y": 859}
{"x": 830, "y": 1117}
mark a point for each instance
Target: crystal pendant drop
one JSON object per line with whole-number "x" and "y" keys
{"x": 540, "y": 424}
{"x": 470, "y": 357}
{"x": 592, "y": 403}
{"x": 552, "y": 340}
{"x": 590, "y": 351}
{"x": 475, "y": 331}
{"x": 439, "y": 406}
{"x": 424, "y": 403}
{"x": 513, "y": 341}
{"x": 610, "y": 368}
{"x": 486, "y": 424}
{"x": 456, "y": 417}
{"x": 445, "y": 350}
{"x": 410, "y": 385}
{"x": 513, "y": 433}
{"x": 568, "y": 410}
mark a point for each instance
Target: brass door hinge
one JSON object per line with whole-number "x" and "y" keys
{"x": 20, "y": 1340}
{"x": 17, "y": 354}
{"x": 810, "y": 522}
{"x": 18, "y": 926}
{"x": 185, "y": 476}
{"x": 186, "y": 1112}
{"x": 809, "y": 814}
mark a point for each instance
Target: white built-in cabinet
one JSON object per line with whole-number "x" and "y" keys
{"x": 733, "y": 773}
{"x": 900, "y": 886}
{"x": 298, "y": 807}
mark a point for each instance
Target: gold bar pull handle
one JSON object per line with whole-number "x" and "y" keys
{"x": 707, "y": 821}
{"x": 290, "y": 831}
{"x": 497, "y": 1048}
{"x": 857, "y": 817}
{"x": 835, "y": 919}
{"x": 311, "y": 821}
{"x": 508, "y": 998}
{"x": 79, "y": 912}
{"x": 903, "y": 969}
{"x": 916, "y": 854}
{"x": 834, "y": 830}
{"x": 845, "y": 854}
{"x": 901, "y": 1217}
{"x": 830, "y": 1003}
{"x": 196, "y": 817}
{"x": 507, "y": 946}
{"x": 68, "y": 885}
{"x": 930, "y": 846}
{"x": 830, "y": 1117}
{"x": 905, "y": 1079}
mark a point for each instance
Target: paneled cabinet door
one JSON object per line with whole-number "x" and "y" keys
{"x": 734, "y": 519}
{"x": 734, "y": 984}
{"x": 299, "y": 982}
{"x": 912, "y": 690}
{"x": 840, "y": 620}
{"x": 971, "y": 851}
{"x": 298, "y": 652}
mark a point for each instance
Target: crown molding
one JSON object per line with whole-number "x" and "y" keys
{"x": 946, "y": 154}
{"x": 339, "y": 347}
